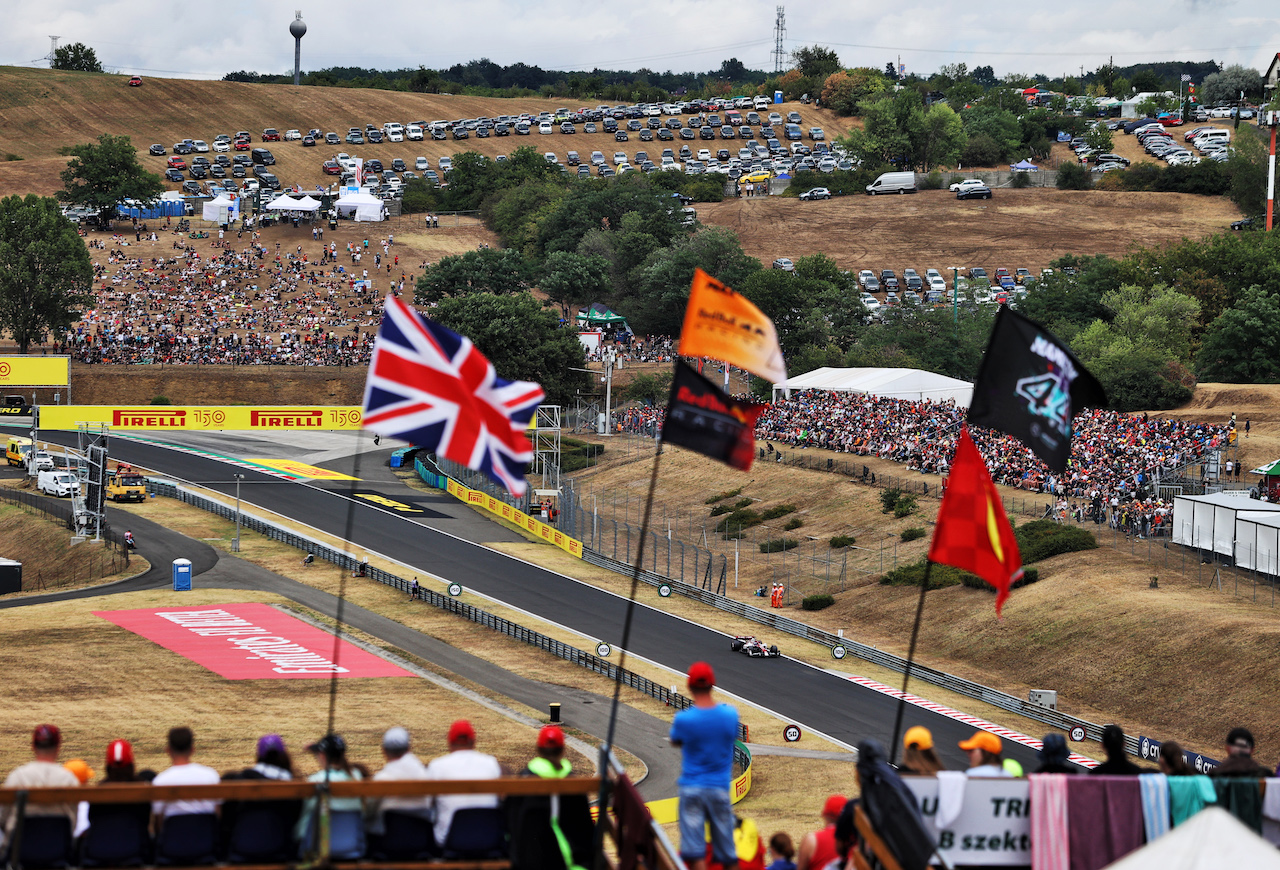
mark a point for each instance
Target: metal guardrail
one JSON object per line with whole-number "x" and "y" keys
{"x": 444, "y": 602}
{"x": 63, "y": 512}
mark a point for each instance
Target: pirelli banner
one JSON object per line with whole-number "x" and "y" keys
{"x": 500, "y": 508}
{"x": 165, "y": 418}
{"x": 35, "y": 371}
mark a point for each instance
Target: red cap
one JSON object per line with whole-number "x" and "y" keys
{"x": 834, "y": 805}
{"x": 550, "y": 737}
{"x": 119, "y": 753}
{"x": 46, "y": 737}
{"x": 701, "y": 676}
{"x": 461, "y": 731}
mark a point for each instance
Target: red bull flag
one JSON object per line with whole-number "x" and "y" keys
{"x": 702, "y": 418}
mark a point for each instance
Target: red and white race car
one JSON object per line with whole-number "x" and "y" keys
{"x": 754, "y": 647}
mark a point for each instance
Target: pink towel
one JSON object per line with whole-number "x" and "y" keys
{"x": 1050, "y": 845}
{"x": 1104, "y": 816}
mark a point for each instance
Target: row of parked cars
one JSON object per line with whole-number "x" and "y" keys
{"x": 1211, "y": 142}
{"x": 975, "y": 286}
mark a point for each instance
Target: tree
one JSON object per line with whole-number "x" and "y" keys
{"x": 1242, "y": 346}
{"x": 77, "y": 56}
{"x": 1226, "y": 86}
{"x": 941, "y": 136}
{"x": 570, "y": 279}
{"x": 815, "y": 62}
{"x": 1073, "y": 176}
{"x": 45, "y": 272}
{"x": 1247, "y": 168}
{"x": 1144, "y": 81}
{"x": 999, "y": 124}
{"x": 104, "y": 175}
{"x": 1099, "y": 139}
{"x": 487, "y": 271}
{"x": 522, "y": 339}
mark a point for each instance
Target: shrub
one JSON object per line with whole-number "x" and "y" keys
{"x": 905, "y": 506}
{"x": 1041, "y": 539}
{"x": 722, "y": 496}
{"x": 11, "y": 157}
{"x": 932, "y": 181}
{"x": 720, "y": 509}
{"x": 940, "y": 577}
{"x": 778, "y": 510}
{"x": 793, "y": 524}
{"x": 777, "y": 545}
{"x": 1074, "y": 176}
{"x": 914, "y": 533}
{"x": 888, "y": 499}
{"x": 1029, "y": 576}
{"x": 576, "y": 455}
{"x": 741, "y": 503}
{"x": 1020, "y": 180}
{"x": 161, "y": 400}
{"x": 843, "y": 541}
{"x": 736, "y": 522}
{"x": 816, "y": 602}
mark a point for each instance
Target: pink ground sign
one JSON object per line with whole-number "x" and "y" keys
{"x": 251, "y": 642}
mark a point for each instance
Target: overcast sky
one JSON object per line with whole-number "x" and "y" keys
{"x": 163, "y": 38}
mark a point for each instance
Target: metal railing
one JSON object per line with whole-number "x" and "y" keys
{"x": 64, "y": 513}
{"x": 444, "y": 602}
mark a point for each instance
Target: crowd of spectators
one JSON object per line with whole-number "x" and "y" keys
{"x": 235, "y": 300}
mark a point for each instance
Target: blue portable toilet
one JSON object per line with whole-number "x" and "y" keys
{"x": 777, "y": 96}
{"x": 181, "y": 575}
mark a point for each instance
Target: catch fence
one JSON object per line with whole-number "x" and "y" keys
{"x": 92, "y": 564}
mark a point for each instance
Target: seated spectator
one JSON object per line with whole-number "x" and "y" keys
{"x": 331, "y": 754}
{"x": 44, "y": 770}
{"x": 1173, "y": 761}
{"x": 1117, "y": 763}
{"x": 1239, "y": 761}
{"x": 462, "y": 762}
{"x": 984, "y": 750}
{"x": 119, "y": 766}
{"x": 183, "y": 771}
{"x": 817, "y": 848}
{"x": 83, "y": 773}
{"x": 551, "y": 832}
{"x": 918, "y": 754}
{"x": 401, "y": 764}
{"x": 783, "y": 852}
{"x": 272, "y": 761}
{"x": 1053, "y": 755}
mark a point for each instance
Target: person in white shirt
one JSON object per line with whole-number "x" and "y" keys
{"x": 46, "y": 741}
{"x": 401, "y": 765}
{"x": 984, "y": 749}
{"x": 183, "y": 771}
{"x": 462, "y": 762}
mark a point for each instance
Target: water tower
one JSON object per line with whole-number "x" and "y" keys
{"x": 297, "y": 28}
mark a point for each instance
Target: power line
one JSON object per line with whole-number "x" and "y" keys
{"x": 968, "y": 51}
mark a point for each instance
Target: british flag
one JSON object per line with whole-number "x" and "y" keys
{"x": 430, "y": 386}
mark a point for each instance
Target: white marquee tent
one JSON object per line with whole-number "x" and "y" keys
{"x": 364, "y": 206}
{"x": 1208, "y": 522}
{"x": 308, "y": 204}
{"x": 283, "y": 203}
{"x": 912, "y": 384}
{"x": 222, "y": 210}
{"x": 1258, "y": 541}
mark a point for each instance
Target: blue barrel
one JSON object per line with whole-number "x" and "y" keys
{"x": 181, "y": 575}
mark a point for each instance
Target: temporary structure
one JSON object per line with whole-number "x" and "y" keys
{"x": 307, "y": 204}
{"x": 361, "y": 206}
{"x": 222, "y": 210}
{"x": 283, "y": 203}
{"x": 1208, "y": 522}
{"x": 891, "y": 383}
{"x": 1209, "y": 840}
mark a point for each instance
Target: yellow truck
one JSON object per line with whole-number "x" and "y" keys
{"x": 126, "y": 485}
{"x": 16, "y": 452}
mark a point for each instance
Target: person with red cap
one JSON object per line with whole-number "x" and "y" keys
{"x": 818, "y": 848}
{"x": 552, "y": 832}
{"x": 46, "y": 742}
{"x": 462, "y": 762}
{"x": 705, "y": 734}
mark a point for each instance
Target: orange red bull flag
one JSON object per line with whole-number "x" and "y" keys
{"x": 722, "y": 324}
{"x": 973, "y": 533}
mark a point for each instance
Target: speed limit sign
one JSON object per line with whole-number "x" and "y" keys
{"x": 838, "y": 652}
{"x": 1077, "y": 733}
{"x": 603, "y": 649}
{"x": 455, "y": 589}
{"x": 791, "y": 733}
{"x": 664, "y": 590}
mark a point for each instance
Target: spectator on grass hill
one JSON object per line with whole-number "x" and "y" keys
{"x": 463, "y": 761}
{"x": 401, "y": 764}
{"x": 704, "y": 733}
{"x": 44, "y": 770}
{"x": 918, "y": 755}
{"x": 984, "y": 750}
{"x": 818, "y": 848}
{"x": 183, "y": 771}
{"x": 1117, "y": 763}
{"x": 1239, "y": 761}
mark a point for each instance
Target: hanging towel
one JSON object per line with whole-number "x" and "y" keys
{"x": 1242, "y": 797}
{"x": 950, "y": 797}
{"x": 1104, "y": 819}
{"x": 1271, "y": 812}
{"x": 1155, "y": 804}
{"x": 1188, "y": 795}
{"x": 1050, "y": 843}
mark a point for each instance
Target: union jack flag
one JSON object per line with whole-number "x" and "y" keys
{"x": 430, "y": 386}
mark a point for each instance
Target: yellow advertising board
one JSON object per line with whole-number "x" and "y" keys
{"x": 500, "y": 508}
{"x": 170, "y": 418}
{"x": 35, "y": 371}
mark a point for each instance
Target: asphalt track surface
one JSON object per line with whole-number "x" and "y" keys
{"x": 816, "y": 700}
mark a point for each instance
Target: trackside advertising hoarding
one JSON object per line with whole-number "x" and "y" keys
{"x": 992, "y": 826}
{"x": 35, "y": 371}
{"x": 167, "y": 418}
{"x": 499, "y": 508}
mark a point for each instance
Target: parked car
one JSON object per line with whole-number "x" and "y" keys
{"x": 982, "y": 192}
{"x": 271, "y": 134}
{"x": 135, "y": 81}
{"x": 784, "y": 264}
{"x": 156, "y": 151}
{"x": 967, "y": 184}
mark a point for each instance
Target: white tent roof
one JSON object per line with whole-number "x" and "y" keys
{"x": 367, "y": 207}
{"x": 308, "y": 204}
{"x": 1209, "y": 840}
{"x": 217, "y": 209}
{"x": 283, "y": 203}
{"x": 890, "y": 383}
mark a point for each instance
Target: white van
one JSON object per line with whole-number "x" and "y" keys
{"x": 1216, "y": 136}
{"x": 893, "y": 182}
{"x": 39, "y": 460}
{"x": 413, "y": 132}
{"x": 62, "y": 484}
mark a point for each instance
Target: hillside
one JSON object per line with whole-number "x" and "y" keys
{"x": 42, "y": 111}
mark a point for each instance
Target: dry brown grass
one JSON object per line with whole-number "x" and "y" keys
{"x": 49, "y": 563}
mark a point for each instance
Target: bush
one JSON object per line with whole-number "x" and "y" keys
{"x": 932, "y": 181}
{"x": 905, "y": 506}
{"x": 720, "y": 510}
{"x": 778, "y": 510}
{"x": 914, "y": 533}
{"x": 722, "y": 496}
{"x": 843, "y": 541}
{"x": 11, "y": 157}
{"x": 161, "y": 400}
{"x": 576, "y": 455}
{"x": 1074, "y": 176}
{"x": 741, "y": 503}
{"x": 888, "y": 499}
{"x": 777, "y": 545}
{"x": 737, "y": 522}
{"x": 1029, "y": 576}
{"x": 793, "y": 524}
{"x": 940, "y": 577}
{"x": 1041, "y": 539}
{"x": 1020, "y": 180}
{"x": 816, "y": 602}
{"x": 981, "y": 150}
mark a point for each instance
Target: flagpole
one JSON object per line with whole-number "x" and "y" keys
{"x": 911, "y": 655}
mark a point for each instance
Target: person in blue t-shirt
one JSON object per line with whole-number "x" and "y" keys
{"x": 705, "y": 734}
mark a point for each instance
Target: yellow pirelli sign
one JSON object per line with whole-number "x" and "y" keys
{"x": 168, "y": 418}
{"x": 500, "y": 508}
{"x": 35, "y": 371}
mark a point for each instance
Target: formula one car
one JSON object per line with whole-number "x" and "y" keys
{"x": 754, "y": 647}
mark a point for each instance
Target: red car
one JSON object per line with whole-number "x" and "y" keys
{"x": 243, "y": 144}
{"x": 1170, "y": 121}
{"x": 271, "y": 134}
{"x": 177, "y": 163}
{"x": 135, "y": 81}
{"x": 331, "y": 167}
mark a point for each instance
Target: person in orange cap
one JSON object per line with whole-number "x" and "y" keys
{"x": 984, "y": 749}
{"x": 918, "y": 755}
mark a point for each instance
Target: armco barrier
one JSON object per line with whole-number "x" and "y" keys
{"x": 445, "y": 602}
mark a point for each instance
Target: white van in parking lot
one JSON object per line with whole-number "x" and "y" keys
{"x": 62, "y": 484}
{"x": 893, "y": 182}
